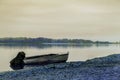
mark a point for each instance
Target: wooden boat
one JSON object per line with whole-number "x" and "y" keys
{"x": 46, "y": 59}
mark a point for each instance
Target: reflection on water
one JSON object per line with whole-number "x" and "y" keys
{"x": 48, "y": 45}
{"x": 77, "y": 52}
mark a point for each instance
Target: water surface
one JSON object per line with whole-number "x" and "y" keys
{"x": 77, "y": 53}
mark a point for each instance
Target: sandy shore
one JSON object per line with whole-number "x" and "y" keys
{"x": 104, "y": 68}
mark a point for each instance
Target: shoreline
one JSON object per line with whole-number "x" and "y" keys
{"x": 103, "y": 68}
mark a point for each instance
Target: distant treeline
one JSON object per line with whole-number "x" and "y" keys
{"x": 42, "y": 40}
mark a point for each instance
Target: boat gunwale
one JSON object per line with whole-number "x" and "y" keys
{"x": 46, "y": 55}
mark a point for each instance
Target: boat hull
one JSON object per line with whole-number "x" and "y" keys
{"x": 46, "y": 59}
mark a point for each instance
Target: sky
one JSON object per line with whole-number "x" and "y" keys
{"x": 86, "y": 19}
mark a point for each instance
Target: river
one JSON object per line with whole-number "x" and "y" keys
{"x": 76, "y": 53}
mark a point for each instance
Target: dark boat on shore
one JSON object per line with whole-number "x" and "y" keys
{"x": 46, "y": 59}
{"x": 20, "y": 60}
